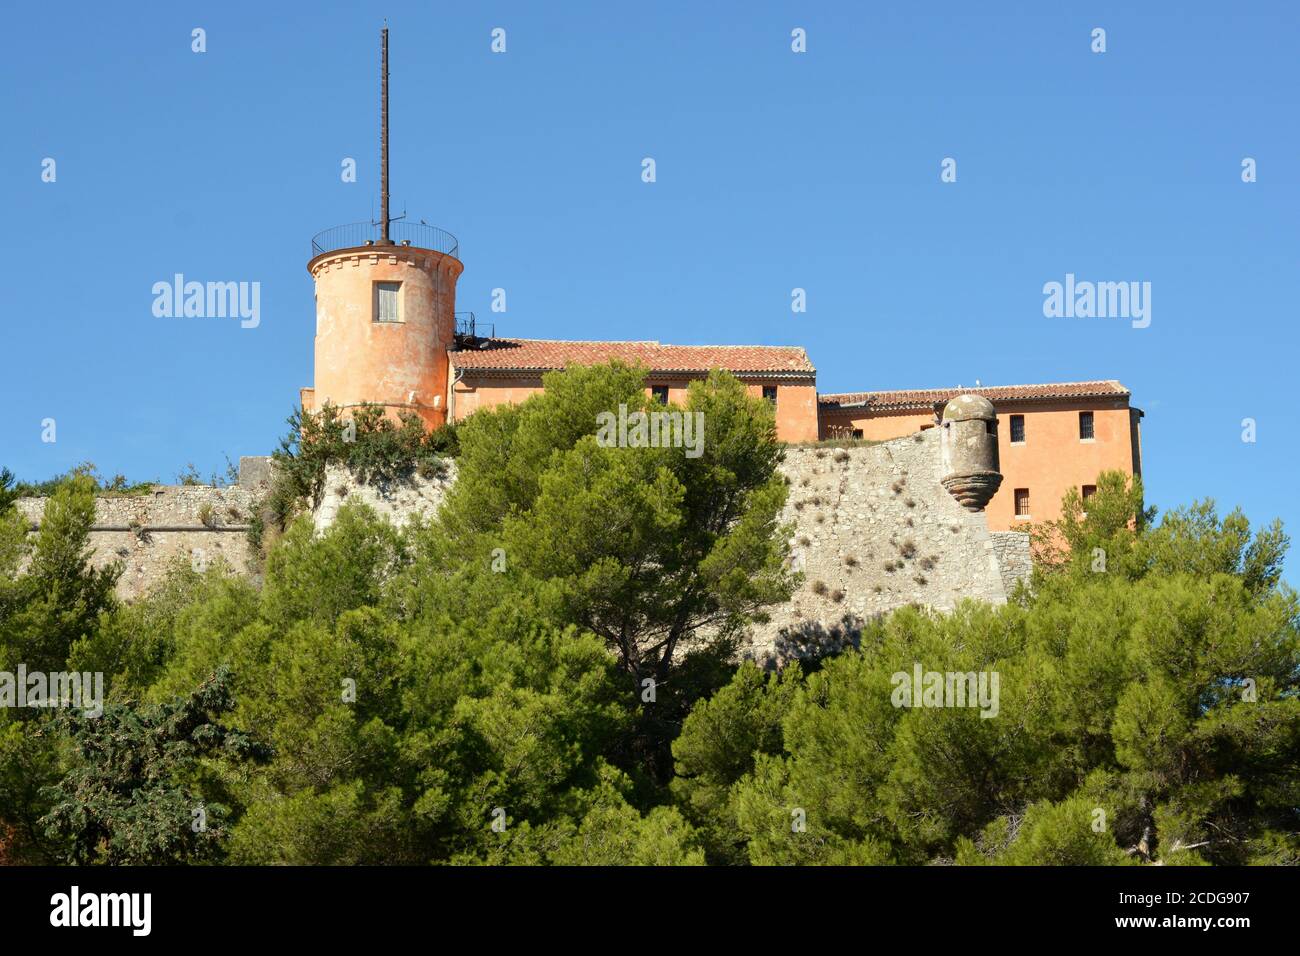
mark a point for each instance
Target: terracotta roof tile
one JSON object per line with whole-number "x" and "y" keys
{"x": 546, "y": 354}
{"x": 926, "y": 398}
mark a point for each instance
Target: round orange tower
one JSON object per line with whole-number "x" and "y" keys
{"x": 385, "y": 320}
{"x": 385, "y": 306}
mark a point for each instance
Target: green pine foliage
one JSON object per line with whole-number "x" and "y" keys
{"x": 128, "y": 799}
{"x": 60, "y": 597}
{"x": 367, "y": 442}
{"x": 117, "y": 486}
{"x": 1148, "y": 712}
{"x": 546, "y": 674}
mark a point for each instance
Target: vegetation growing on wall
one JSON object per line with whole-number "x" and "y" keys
{"x": 837, "y": 441}
{"x": 474, "y": 690}
{"x": 12, "y": 489}
{"x": 1149, "y": 712}
{"x": 190, "y": 476}
{"x": 370, "y": 444}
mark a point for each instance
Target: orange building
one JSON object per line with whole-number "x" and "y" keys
{"x": 387, "y": 334}
{"x": 1051, "y": 437}
{"x": 385, "y": 320}
{"x": 509, "y": 370}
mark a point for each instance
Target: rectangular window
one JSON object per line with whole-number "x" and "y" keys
{"x": 1085, "y": 426}
{"x": 1089, "y": 491}
{"x": 1022, "y": 502}
{"x": 857, "y": 433}
{"x": 769, "y": 392}
{"x": 386, "y": 302}
{"x": 1017, "y": 429}
{"x": 660, "y": 393}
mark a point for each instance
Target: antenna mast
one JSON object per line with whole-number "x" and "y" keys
{"x": 383, "y": 143}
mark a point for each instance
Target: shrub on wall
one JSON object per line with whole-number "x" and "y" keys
{"x": 1145, "y": 713}
{"x": 411, "y": 681}
{"x": 118, "y": 486}
{"x": 370, "y": 444}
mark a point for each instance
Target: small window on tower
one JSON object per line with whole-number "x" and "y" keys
{"x": 1022, "y": 502}
{"x": 1017, "y": 429}
{"x": 660, "y": 393}
{"x": 386, "y": 303}
{"x": 1085, "y": 426}
{"x": 769, "y": 392}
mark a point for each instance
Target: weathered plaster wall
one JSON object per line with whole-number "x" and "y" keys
{"x": 1053, "y": 459}
{"x": 398, "y": 501}
{"x": 874, "y": 530}
{"x": 475, "y": 391}
{"x": 796, "y": 410}
{"x": 402, "y": 364}
{"x": 874, "y": 425}
{"x": 1050, "y": 461}
{"x": 1014, "y": 561}
{"x": 148, "y": 533}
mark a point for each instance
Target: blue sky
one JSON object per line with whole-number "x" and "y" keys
{"x": 775, "y": 170}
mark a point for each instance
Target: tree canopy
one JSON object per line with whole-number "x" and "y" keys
{"x": 546, "y": 674}
{"x": 1148, "y": 711}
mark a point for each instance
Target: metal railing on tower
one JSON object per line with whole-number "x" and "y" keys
{"x": 354, "y": 235}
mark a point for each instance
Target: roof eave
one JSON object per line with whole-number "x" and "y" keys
{"x": 535, "y": 369}
{"x": 928, "y": 404}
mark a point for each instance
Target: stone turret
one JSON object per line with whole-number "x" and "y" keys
{"x": 969, "y": 449}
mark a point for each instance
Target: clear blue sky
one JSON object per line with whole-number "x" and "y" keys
{"x": 775, "y": 171}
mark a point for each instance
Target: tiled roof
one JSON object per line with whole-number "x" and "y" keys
{"x": 926, "y": 398}
{"x": 546, "y": 354}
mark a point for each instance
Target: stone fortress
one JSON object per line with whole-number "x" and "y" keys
{"x": 388, "y": 334}
{"x": 926, "y": 516}
{"x": 875, "y": 527}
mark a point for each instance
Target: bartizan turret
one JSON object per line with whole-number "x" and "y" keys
{"x": 969, "y": 449}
